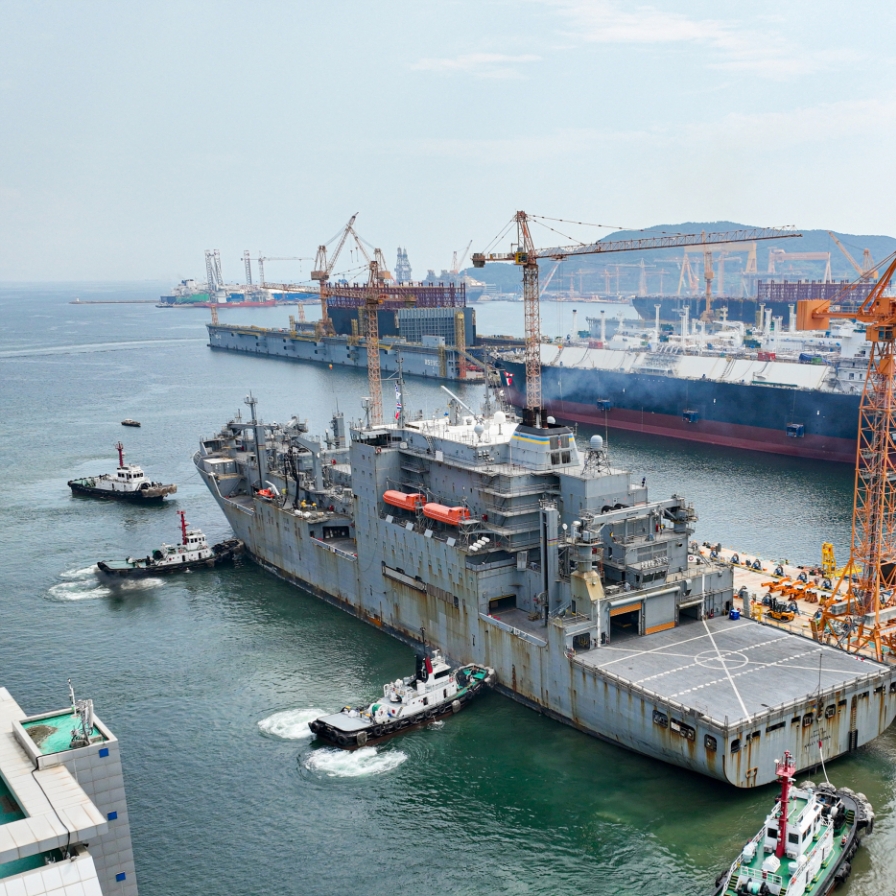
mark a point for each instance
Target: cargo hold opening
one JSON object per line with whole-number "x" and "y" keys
{"x": 501, "y": 604}
{"x": 625, "y": 621}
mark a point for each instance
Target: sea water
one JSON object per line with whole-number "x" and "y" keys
{"x": 210, "y": 679}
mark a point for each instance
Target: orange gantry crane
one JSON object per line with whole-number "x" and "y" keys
{"x": 525, "y": 254}
{"x": 865, "y": 618}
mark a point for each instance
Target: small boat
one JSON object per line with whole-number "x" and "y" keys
{"x": 432, "y": 692}
{"x": 193, "y": 552}
{"x": 806, "y": 844}
{"x": 129, "y": 483}
{"x": 129, "y": 422}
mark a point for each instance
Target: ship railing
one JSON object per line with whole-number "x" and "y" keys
{"x": 516, "y": 632}
{"x": 759, "y": 875}
{"x": 333, "y": 549}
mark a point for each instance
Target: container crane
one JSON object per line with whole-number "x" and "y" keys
{"x": 526, "y": 256}
{"x": 866, "y": 617}
{"x": 867, "y": 271}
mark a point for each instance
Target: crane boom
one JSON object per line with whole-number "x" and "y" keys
{"x": 870, "y": 576}
{"x": 323, "y": 267}
{"x": 526, "y": 255}
{"x": 866, "y": 271}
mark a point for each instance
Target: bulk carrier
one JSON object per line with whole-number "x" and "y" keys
{"x": 518, "y": 549}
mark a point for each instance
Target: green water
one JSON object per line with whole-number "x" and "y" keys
{"x": 496, "y": 800}
{"x": 54, "y": 734}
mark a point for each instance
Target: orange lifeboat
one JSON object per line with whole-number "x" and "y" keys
{"x": 404, "y": 501}
{"x": 451, "y": 515}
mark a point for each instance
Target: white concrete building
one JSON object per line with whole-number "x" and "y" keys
{"x": 64, "y": 827}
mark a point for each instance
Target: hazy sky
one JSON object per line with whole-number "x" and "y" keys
{"x": 133, "y": 136}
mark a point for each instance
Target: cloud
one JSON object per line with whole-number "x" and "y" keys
{"x": 733, "y": 45}
{"x": 480, "y": 65}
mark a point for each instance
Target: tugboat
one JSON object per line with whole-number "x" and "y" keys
{"x": 192, "y": 553}
{"x": 433, "y": 691}
{"x": 128, "y": 484}
{"x": 806, "y": 844}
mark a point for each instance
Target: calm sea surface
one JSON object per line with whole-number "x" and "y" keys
{"x": 209, "y": 679}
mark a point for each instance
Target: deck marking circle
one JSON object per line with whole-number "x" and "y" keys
{"x": 710, "y": 659}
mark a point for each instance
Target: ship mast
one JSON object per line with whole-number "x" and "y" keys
{"x": 785, "y": 770}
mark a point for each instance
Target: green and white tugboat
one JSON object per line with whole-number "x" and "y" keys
{"x": 433, "y": 691}
{"x": 806, "y": 844}
{"x": 194, "y": 552}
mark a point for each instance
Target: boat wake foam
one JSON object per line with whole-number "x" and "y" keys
{"x": 84, "y": 584}
{"x": 355, "y": 764}
{"x": 290, "y": 724}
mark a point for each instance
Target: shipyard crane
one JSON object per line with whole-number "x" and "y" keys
{"x": 866, "y": 616}
{"x": 526, "y": 256}
{"x": 374, "y": 379}
{"x": 867, "y": 271}
{"x": 776, "y": 256}
{"x": 323, "y": 267}
{"x": 457, "y": 265}
{"x": 262, "y": 259}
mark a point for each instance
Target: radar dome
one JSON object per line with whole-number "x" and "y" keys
{"x": 479, "y": 429}
{"x": 500, "y": 417}
{"x": 597, "y": 442}
{"x": 551, "y": 420}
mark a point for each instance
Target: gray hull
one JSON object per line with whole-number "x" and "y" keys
{"x": 400, "y": 576}
{"x": 417, "y": 360}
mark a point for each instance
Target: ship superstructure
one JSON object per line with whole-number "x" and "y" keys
{"x": 516, "y": 548}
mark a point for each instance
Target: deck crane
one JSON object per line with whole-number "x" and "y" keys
{"x": 867, "y": 271}
{"x": 526, "y": 256}
{"x": 866, "y": 617}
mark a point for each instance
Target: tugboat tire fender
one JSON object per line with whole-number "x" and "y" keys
{"x": 361, "y": 738}
{"x": 342, "y": 740}
{"x": 455, "y": 705}
{"x": 377, "y": 730}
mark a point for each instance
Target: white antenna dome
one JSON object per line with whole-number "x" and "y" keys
{"x": 479, "y": 429}
{"x": 551, "y": 420}
{"x": 597, "y": 442}
{"x": 500, "y": 417}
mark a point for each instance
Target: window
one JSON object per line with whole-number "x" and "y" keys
{"x": 735, "y": 745}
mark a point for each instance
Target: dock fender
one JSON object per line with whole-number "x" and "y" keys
{"x": 455, "y": 705}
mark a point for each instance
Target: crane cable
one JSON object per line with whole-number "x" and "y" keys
{"x": 500, "y": 236}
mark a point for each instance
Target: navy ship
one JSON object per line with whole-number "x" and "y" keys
{"x": 520, "y": 550}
